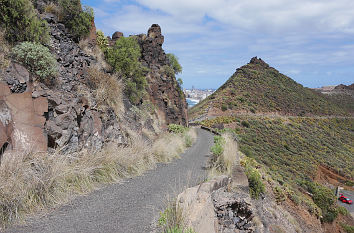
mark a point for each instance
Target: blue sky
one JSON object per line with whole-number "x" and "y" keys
{"x": 311, "y": 41}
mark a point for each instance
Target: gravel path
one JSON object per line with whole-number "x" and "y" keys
{"x": 131, "y": 206}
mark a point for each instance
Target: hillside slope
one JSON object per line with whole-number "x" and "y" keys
{"x": 259, "y": 88}
{"x": 342, "y": 95}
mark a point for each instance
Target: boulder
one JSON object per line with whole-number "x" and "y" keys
{"x": 117, "y": 35}
{"x": 22, "y": 120}
{"x": 197, "y": 205}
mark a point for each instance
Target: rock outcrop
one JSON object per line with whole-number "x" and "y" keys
{"x": 62, "y": 112}
{"x": 55, "y": 114}
{"x": 163, "y": 88}
{"x": 21, "y": 116}
{"x": 209, "y": 207}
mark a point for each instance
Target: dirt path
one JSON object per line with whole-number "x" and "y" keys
{"x": 131, "y": 206}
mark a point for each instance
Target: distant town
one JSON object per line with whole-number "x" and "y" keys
{"x": 194, "y": 96}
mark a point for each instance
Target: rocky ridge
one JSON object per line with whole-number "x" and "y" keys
{"x": 163, "y": 89}
{"x": 62, "y": 115}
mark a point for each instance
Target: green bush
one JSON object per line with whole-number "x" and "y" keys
{"x": 77, "y": 19}
{"x": 21, "y": 23}
{"x": 330, "y": 215}
{"x": 323, "y": 198}
{"x": 124, "y": 58}
{"x": 173, "y": 59}
{"x": 224, "y": 107}
{"x": 174, "y": 128}
{"x": 255, "y": 182}
{"x": 101, "y": 40}
{"x": 37, "y": 58}
{"x": 349, "y": 183}
{"x": 342, "y": 210}
{"x": 188, "y": 141}
{"x": 245, "y": 124}
{"x": 347, "y": 228}
{"x": 218, "y": 148}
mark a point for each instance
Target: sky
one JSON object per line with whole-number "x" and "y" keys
{"x": 311, "y": 41}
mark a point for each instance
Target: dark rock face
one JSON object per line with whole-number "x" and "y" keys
{"x": 71, "y": 121}
{"x": 258, "y": 61}
{"x": 17, "y": 77}
{"x": 233, "y": 211}
{"x": 62, "y": 112}
{"x": 117, "y": 35}
{"x": 163, "y": 89}
{"x": 36, "y": 116}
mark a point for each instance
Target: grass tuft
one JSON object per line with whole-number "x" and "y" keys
{"x": 31, "y": 182}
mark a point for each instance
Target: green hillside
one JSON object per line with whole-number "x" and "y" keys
{"x": 259, "y": 88}
{"x": 293, "y": 147}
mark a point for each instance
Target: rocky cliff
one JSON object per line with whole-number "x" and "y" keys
{"x": 39, "y": 116}
{"x": 163, "y": 88}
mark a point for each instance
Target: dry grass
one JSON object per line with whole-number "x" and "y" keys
{"x": 96, "y": 52}
{"x": 108, "y": 90}
{"x": 31, "y": 182}
{"x": 226, "y": 161}
{"x": 4, "y": 50}
{"x": 53, "y": 9}
{"x": 169, "y": 146}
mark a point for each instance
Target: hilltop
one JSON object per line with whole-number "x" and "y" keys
{"x": 259, "y": 88}
{"x": 298, "y": 140}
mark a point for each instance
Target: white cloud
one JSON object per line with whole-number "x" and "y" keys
{"x": 214, "y": 37}
{"x": 270, "y": 15}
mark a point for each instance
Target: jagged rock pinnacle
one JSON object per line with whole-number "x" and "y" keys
{"x": 258, "y": 61}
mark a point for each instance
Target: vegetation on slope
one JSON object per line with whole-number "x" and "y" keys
{"x": 293, "y": 147}
{"x": 21, "y": 23}
{"x": 33, "y": 181}
{"x": 76, "y": 18}
{"x": 258, "y": 88}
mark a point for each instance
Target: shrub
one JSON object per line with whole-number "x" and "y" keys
{"x": 347, "y": 228}
{"x": 255, "y": 182}
{"x": 21, "y": 23}
{"x": 101, "y": 40}
{"x": 37, "y": 58}
{"x": 330, "y": 215}
{"x": 108, "y": 89}
{"x": 135, "y": 88}
{"x": 323, "y": 198}
{"x": 124, "y": 58}
{"x": 174, "y": 128}
{"x": 349, "y": 183}
{"x": 224, "y": 107}
{"x": 279, "y": 194}
{"x": 342, "y": 210}
{"x": 173, "y": 59}
{"x": 245, "y": 124}
{"x": 217, "y": 149}
{"x": 52, "y": 8}
{"x": 188, "y": 141}
{"x": 77, "y": 19}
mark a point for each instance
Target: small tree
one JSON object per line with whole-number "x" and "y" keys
{"x": 124, "y": 58}
{"x": 180, "y": 82}
{"x": 173, "y": 59}
{"x": 21, "y": 23}
{"x": 77, "y": 19}
{"x": 101, "y": 40}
